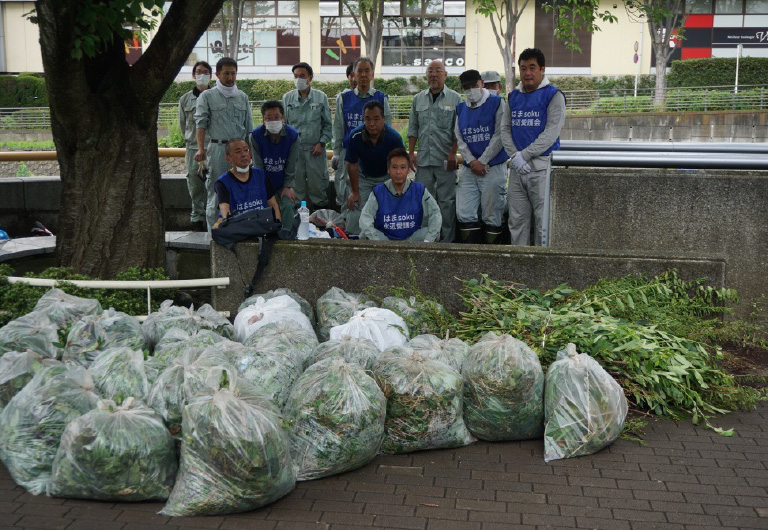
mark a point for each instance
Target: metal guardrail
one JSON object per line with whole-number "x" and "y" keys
{"x": 693, "y": 99}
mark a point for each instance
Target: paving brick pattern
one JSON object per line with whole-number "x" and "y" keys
{"x": 685, "y": 477}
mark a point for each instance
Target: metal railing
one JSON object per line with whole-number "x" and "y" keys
{"x": 692, "y": 99}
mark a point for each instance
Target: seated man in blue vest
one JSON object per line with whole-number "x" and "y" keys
{"x": 483, "y": 177}
{"x": 531, "y": 132}
{"x": 276, "y": 150}
{"x": 367, "y": 150}
{"x": 399, "y": 209}
{"x": 243, "y": 187}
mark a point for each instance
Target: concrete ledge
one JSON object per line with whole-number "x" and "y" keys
{"x": 312, "y": 267}
{"x": 27, "y": 246}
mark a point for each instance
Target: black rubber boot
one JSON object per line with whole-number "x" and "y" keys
{"x": 492, "y": 234}
{"x": 470, "y": 232}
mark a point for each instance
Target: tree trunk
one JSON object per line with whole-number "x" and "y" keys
{"x": 111, "y": 208}
{"x": 104, "y": 123}
{"x": 661, "y": 82}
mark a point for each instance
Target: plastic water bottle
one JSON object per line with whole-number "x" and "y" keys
{"x": 304, "y": 226}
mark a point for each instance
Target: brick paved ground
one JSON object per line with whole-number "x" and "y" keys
{"x": 684, "y": 478}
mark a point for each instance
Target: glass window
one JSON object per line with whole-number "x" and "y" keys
{"x": 694, "y": 7}
{"x": 425, "y": 33}
{"x": 391, "y": 9}
{"x": 339, "y": 39}
{"x": 757, "y": 7}
{"x": 265, "y": 27}
{"x": 728, "y": 6}
{"x": 329, "y": 9}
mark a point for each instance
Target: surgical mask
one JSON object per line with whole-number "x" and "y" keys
{"x": 242, "y": 169}
{"x": 301, "y": 84}
{"x": 202, "y": 79}
{"x": 273, "y": 127}
{"x": 474, "y": 95}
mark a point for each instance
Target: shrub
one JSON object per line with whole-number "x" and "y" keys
{"x": 718, "y": 71}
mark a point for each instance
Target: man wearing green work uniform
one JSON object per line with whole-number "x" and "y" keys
{"x": 308, "y": 112}
{"x": 222, "y": 114}
{"x": 433, "y": 116}
{"x": 349, "y": 115}
{"x": 201, "y": 73}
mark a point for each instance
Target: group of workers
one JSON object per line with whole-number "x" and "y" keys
{"x": 504, "y": 143}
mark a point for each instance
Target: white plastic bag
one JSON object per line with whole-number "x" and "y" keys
{"x": 381, "y": 326}
{"x": 263, "y": 312}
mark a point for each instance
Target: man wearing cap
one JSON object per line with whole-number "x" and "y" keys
{"x": 492, "y": 82}
{"x": 482, "y": 179}
{"x": 531, "y": 132}
{"x": 432, "y": 123}
{"x": 307, "y": 110}
{"x": 349, "y": 115}
{"x": 225, "y": 114}
{"x": 341, "y": 180}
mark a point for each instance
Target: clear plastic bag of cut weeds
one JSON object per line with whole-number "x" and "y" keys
{"x": 424, "y": 402}
{"x": 34, "y": 332}
{"x": 336, "y": 307}
{"x": 118, "y": 374}
{"x": 168, "y": 392}
{"x": 337, "y": 416}
{"x": 115, "y": 453}
{"x": 273, "y": 371}
{"x": 169, "y": 317}
{"x": 94, "y": 333}
{"x": 450, "y": 351}
{"x": 212, "y": 320}
{"x": 305, "y": 306}
{"x": 177, "y": 342}
{"x": 385, "y": 328}
{"x": 413, "y": 311}
{"x": 503, "y": 390}
{"x": 63, "y": 308}
{"x": 288, "y": 338}
{"x": 16, "y": 370}
{"x": 33, "y": 421}
{"x": 585, "y": 408}
{"x": 351, "y": 349}
{"x": 235, "y": 451}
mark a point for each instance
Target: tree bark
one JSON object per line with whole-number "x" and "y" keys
{"x": 104, "y": 123}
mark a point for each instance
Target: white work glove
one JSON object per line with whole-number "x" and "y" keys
{"x": 335, "y": 162}
{"x": 520, "y": 165}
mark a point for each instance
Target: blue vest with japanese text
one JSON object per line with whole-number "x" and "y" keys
{"x": 245, "y": 196}
{"x": 274, "y": 155}
{"x": 352, "y": 108}
{"x": 528, "y": 116}
{"x": 399, "y": 217}
{"x": 477, "y": 126}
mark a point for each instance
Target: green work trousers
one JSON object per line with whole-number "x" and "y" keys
{"x": 196, "y": 186}
{"x": 442, "y": 185}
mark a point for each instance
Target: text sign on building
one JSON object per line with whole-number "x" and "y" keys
{"x": 736, "y": 36}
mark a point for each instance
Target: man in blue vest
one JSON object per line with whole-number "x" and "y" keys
{"x": 340, "y": 179}
{"x": 243, "y": 187}
{"x": 531, "y": 132}
{"x": 349, "y": 115}
{"x": 399, "y": 209}
{"x": 276, "y": 150}
{"x": 482, "y": 179}
{"x": 367, "y": 151}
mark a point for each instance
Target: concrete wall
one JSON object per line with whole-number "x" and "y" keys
{"x": 746, "y": 126}
{"x": 704, "y": 212}
{"x": 312, "y": 267}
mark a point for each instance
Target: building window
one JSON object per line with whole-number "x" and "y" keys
{"x": 698, "y": 7}
{"x": 269, "y": 35}
{"x": 339, "y": 37}
{"x": 555, "y": 52}
{"x": 416, "y": 33}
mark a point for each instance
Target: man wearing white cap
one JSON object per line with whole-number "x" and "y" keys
{"x": 492, "y": 82}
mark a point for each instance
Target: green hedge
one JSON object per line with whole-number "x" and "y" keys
{"x": 24, "y": 90}
{"x": 718, "y": 72}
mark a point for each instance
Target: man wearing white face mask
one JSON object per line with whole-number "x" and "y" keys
{"x": 275, "y": 149}
{"x": 307, "y": 110}
{"x": 243, "y": 188}
{"x": 222, "y": 114}
{"x": 201, "y": 73}
{"x": 482, "y": 179}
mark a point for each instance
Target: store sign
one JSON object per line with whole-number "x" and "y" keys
{"x": 736, "y": 36}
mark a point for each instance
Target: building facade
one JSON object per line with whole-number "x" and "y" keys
{"x": 275, "y": 34}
